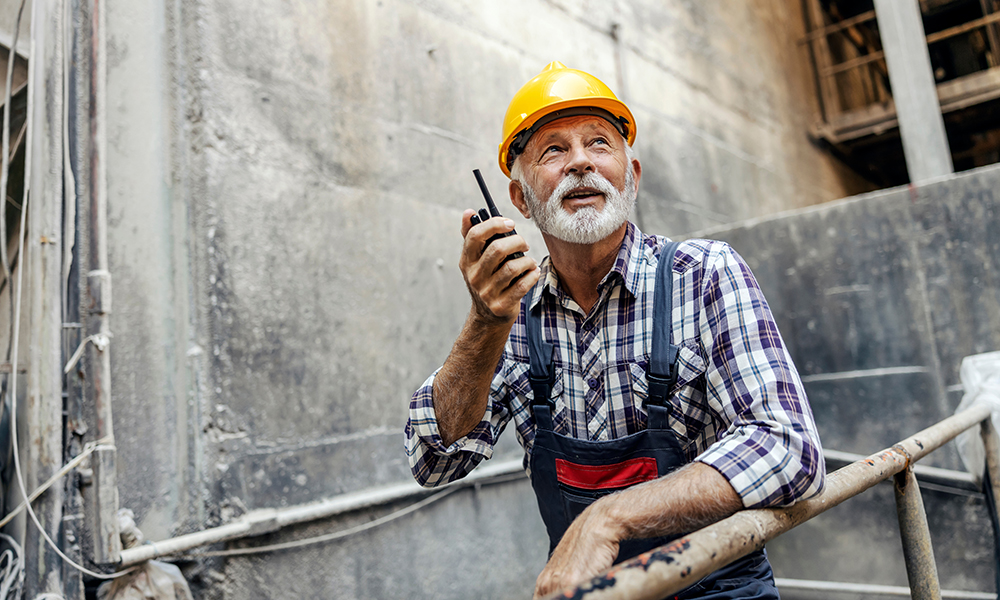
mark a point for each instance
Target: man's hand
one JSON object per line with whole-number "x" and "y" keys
{"x": 588, "y": 547}
{"x": 496, "y": 286}
{"x": 462, "y": 386}
{"x": 685, "y": 500}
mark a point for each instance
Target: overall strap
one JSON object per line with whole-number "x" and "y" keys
{"x": 662, "y": 370}
{"x": 542, "y": 374}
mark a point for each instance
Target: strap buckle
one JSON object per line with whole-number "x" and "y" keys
{"x": 659, "y": 389}
{"x": 660, "y": 386}
{"x": 541, "y": 386}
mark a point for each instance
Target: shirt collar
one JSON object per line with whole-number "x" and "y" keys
{"x": 626, "y": 267}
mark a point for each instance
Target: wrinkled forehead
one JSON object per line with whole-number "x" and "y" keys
{"x": 569, "y": 127}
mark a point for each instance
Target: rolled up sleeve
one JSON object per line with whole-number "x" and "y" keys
{"x": 431, "y": 462}
{"x": 770, "y": 451}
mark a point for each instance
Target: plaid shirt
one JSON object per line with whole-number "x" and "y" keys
{"x": 738, "y": 405}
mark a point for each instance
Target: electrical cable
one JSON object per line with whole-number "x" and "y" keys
{"x": 3, "y": 285}
{"x": 11, "y": 570}
{"x": 349, "y": 531}
{"x": 100, "y": 340}
{"x": 72, "y": 464}
{"x": 17, "y": 144}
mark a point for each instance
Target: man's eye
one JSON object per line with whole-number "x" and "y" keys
{"x": 601, "y": 141}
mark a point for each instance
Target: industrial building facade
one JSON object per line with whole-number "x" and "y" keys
{"x": 242, "y": 242}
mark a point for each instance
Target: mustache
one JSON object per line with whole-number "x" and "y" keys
{"x": 590, "y": 180}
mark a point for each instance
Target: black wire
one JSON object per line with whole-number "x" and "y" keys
{"x": 3, "y": 285}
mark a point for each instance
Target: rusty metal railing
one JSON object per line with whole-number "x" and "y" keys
{"x": 675, "y": 566}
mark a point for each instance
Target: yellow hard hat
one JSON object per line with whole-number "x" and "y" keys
{"x": 555, "y": 93}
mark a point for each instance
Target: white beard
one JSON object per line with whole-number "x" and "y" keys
{"x": 587, "y": 225}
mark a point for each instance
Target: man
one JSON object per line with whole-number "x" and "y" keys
{"x": 640, "y": 422}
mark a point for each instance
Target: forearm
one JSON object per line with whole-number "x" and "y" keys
{"x": 497, "y": 281}
{"x": 685, "y": 500}
{"x": 462, "y": 386}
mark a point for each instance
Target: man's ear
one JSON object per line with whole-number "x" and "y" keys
{"x": 638, "y": 172}
{"x": 517, "y": 198}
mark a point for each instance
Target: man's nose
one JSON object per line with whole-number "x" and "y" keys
{"x": 579, "y": 160}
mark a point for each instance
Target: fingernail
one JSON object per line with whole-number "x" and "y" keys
{"x": 508, "y": 223}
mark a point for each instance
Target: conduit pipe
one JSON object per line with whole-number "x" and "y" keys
{"x": 677, "y": 565}
{"x": 869, "y": 589}
{"x": 272, "y": 519}
{"x": 40, "y": 451}
{"x": 101, "y": 498}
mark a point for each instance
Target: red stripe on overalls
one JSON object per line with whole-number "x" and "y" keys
{"x": 603, "y": 477}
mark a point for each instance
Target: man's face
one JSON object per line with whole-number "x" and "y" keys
{"x": 577, "y": 180}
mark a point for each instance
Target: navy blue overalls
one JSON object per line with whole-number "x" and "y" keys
{"x": 568, "y": 474}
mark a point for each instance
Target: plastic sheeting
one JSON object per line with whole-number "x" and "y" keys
{"x": 980, "y": 375}
{"x": 152, "y": 580}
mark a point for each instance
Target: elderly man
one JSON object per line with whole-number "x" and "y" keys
{"x": 647, "y": 381}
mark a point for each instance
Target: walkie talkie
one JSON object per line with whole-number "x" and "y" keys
{"x": 485, "y": 215}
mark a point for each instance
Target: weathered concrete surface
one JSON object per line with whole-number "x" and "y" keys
{"x": 466, "y": 544}
{"x": 155, "y": 400}
{"x": 879, "y": 297}
{"x": 285, "y": 186}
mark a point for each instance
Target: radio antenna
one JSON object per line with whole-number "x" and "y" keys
{"x": 494, "y": 212}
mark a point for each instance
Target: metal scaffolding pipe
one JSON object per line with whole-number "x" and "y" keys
{"x": 675, "y": 566}
{"x": 960, "y": 480}
{"x": 918, "y": 553}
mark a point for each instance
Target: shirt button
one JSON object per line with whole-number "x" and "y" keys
{"x": 592, "y": 383}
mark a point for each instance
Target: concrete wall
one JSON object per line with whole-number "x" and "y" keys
{"x": 879, "y": 298}
{"x": 285, "y": 185}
